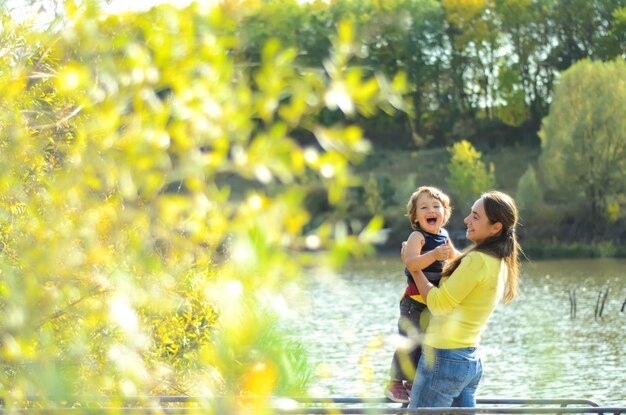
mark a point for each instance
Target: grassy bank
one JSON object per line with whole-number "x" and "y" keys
{"x": 403, "y": 171}
{"x": 557, "y": 250}
{"x": 430, "y": 166}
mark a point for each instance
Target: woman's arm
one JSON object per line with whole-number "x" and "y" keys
{"x": 423, "y": 285}
{"x": 452, "y": 290}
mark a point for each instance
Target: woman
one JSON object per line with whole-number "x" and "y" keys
{"x": 471, "y": 286}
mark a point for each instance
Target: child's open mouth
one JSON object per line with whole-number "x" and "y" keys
{"x": 431, "y": 221}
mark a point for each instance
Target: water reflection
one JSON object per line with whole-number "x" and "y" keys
{"x": 531, "y": 347}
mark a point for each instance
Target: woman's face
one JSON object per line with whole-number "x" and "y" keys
{"x": 478, "y": 225}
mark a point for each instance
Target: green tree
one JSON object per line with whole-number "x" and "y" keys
{"x": 529, "y": 193}
{"x": 151, "y": 211}
{"x": 615, "y": 43}
{"x": 408, "y": 35}
{"x": 527, "y": 79}
{"x": 582, "y": 29}
{"x": 583, "y": 149}
{"x": 404, "y": 189}
{"x": 475, "y": 40}
{"x": 468, "y": 174}
{"x": 373, "y": 195}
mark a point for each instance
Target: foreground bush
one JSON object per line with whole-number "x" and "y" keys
{"x": 128, "y": 266}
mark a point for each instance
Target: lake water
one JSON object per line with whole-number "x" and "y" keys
{"x": 531, "y": 348}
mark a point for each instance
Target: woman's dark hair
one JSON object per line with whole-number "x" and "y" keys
{"x": 499, "y": 207}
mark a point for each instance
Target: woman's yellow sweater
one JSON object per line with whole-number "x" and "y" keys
{"x": 463, "y": 302}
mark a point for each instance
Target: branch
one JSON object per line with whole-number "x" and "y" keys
{"x": 61, "y": 121}
{"x": 73, "y": 304}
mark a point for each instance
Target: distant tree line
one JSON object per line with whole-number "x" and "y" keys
{"x": 487, "y": 72}
{"x": 481, "y": 68}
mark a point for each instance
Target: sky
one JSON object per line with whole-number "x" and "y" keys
{"x": 42, "y": 12}
{"x": 117, "y": 6}
{"x": 21, "y": 9}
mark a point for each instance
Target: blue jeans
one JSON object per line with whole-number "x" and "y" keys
{"x": 446, "y": 378}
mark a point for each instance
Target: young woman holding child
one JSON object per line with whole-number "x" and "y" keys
{"x": 471, "y": 286}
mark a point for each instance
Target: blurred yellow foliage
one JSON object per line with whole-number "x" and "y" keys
{"x": 128, "y": 264}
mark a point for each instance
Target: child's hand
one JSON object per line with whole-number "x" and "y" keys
{"x": 442, "y": 252}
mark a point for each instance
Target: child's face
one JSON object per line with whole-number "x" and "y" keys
{"x": 430, "y": 213}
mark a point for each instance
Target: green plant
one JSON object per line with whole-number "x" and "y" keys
{"x": 583, "y": 149}
{"x": 373, "y": 198}
{"x": 468, "y": 174}
{"x": 529, "y": 194}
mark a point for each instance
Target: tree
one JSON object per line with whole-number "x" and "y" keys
{"x": 583, "y": 138}
{"x": 469, "y": 176}
{"x": 527, "y": 79}
{"x": 408, "y": 35}
{"x": 373, "y": 198}
{"x": 150, "y": 203}
{"x": 529, "y": 193}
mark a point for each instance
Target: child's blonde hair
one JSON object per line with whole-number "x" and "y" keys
{"x": 411, "y": 206}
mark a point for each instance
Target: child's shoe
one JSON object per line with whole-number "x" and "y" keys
{"x": 408, "y": 386}
{"x": 396, "y": 392}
